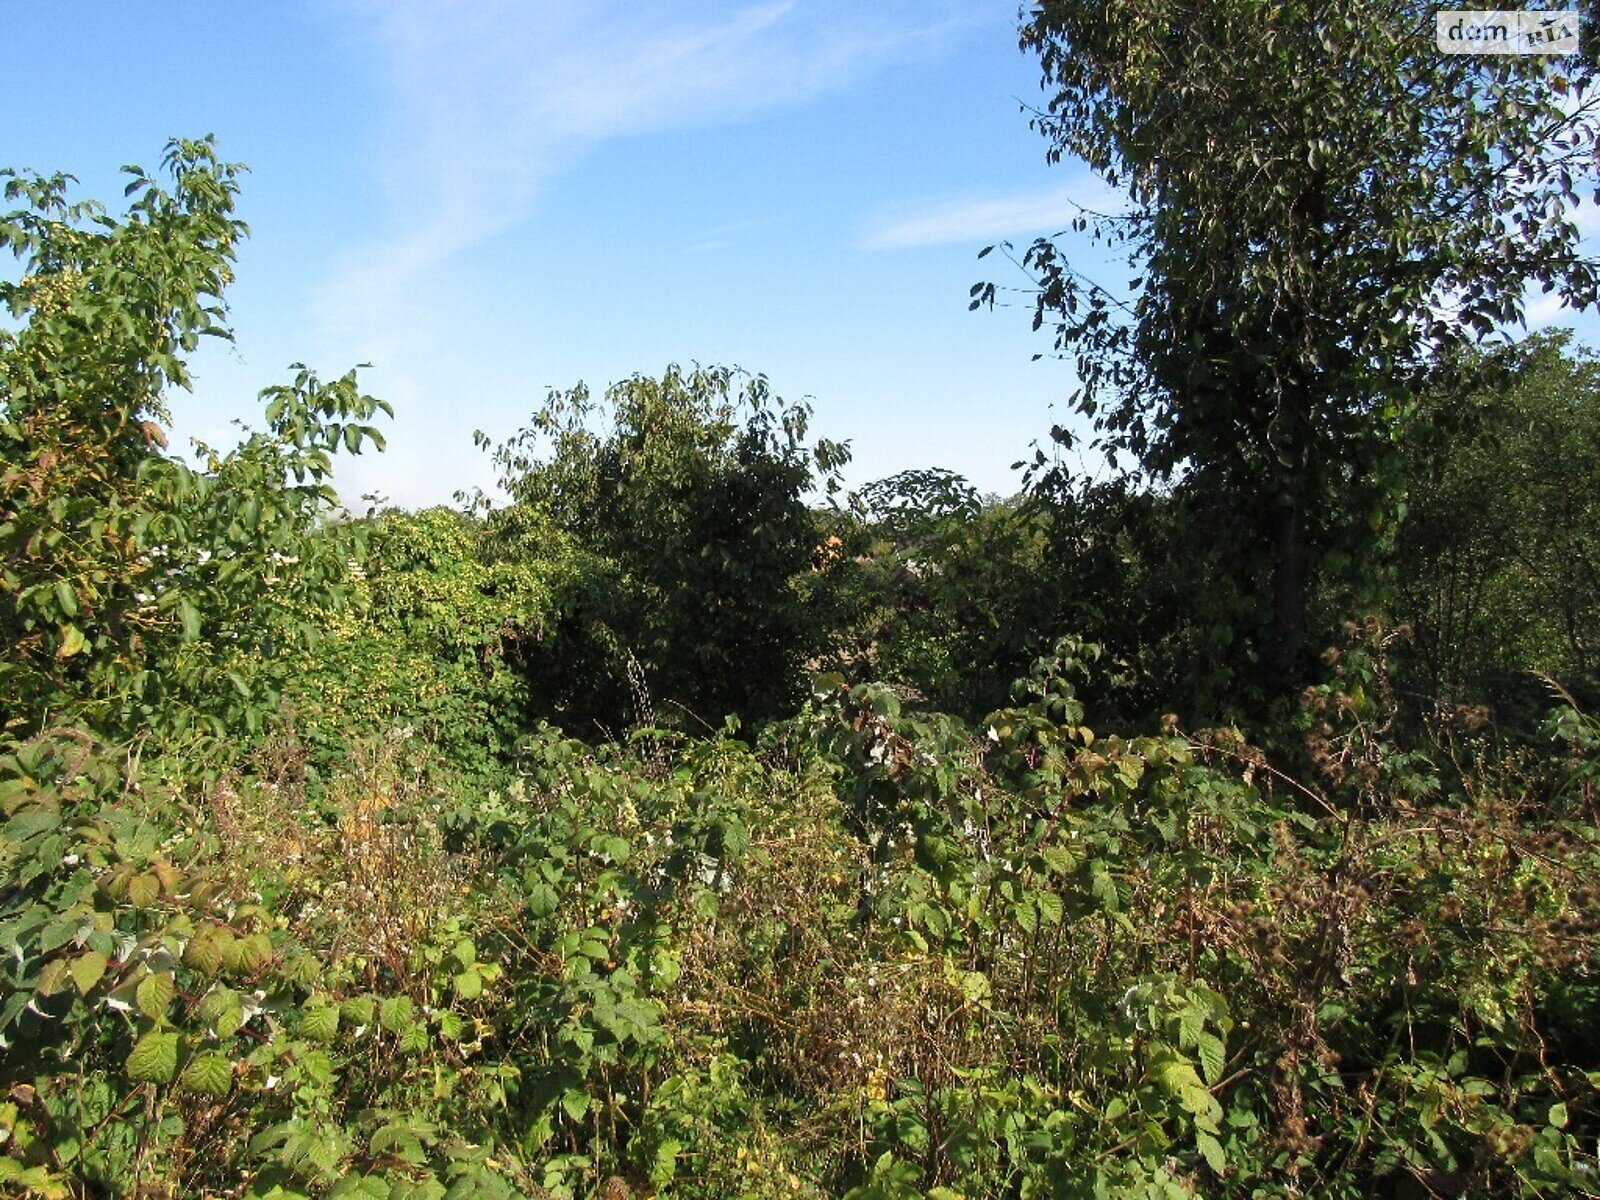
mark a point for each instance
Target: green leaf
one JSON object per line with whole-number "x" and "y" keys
{"x": 66, "y": 598}
{"x": 575, "y": 1103}
{"x": 1211, "y": 1151}
{"x": 1556, "y": 1118}
{"x": 320, "y": 1020}
{"x": 189, "y": 615}
{"x": 469, "y": 985}
{"x": 223, "y": 1010}
{"x": 87, "y": 969}
{"x": 1212, "y": 1057}
{"x": 205, "y": 951}
{"x": 154, "y": 994}
{"x": 154, "y": 1057}
{"x": 541, "y": 900}
{"x": 358, "y": 1010}
{"x": 255, "y": 952}
{"x": 414, "y": 1038}
{"x": 395, "y": 1014}
{"x": 210, "y": 1074}
{"x": 361, "y": 1187}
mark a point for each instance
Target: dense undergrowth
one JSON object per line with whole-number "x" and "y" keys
{"x": 417, "y": 856}
{"x": 877, "y": 950}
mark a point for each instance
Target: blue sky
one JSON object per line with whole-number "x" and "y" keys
{"x": 487, "y": 199}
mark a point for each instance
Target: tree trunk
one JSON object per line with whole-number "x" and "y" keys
{"x": 1286, "y": 632}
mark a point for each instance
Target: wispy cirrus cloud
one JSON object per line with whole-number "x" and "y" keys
{"x": 484, "y": 104}
{"x": 972, "y": 219}
{"x": 493, "y": 99}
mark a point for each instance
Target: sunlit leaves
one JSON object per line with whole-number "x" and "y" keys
{"x": 154, "y": 1057}
{"x": 1319, "y": 204}
{"x": 208, "y": 1073}
{"x": 136, "y": 587}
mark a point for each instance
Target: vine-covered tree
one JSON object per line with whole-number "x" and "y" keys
{"x": 1319, "y": 202}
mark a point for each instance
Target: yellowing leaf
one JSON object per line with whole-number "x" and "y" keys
{"x": 87, "y": 970}
{"x": 143, "y": 890}
{"x": 72, "y": 642}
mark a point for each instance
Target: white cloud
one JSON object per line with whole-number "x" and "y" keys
{"x": 971, "y": 220}
{"x": 494, "y": 98}
{"x": 1545, "y": 310}
{"x": 488, "y": 101}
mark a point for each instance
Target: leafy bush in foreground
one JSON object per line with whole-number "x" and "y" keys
{"x": 881, "y": 953}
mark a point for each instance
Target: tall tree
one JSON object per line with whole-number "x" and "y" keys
{"x": 1319, "y": 202}
{"x": 1499, "y": 556}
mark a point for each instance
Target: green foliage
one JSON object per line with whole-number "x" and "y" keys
{"x": 1499, "y": 555}
{"x": 137, "y": 592}
{"x": 430, "y": 639}
{"x": 1320, "y": 201}
{"x": 940, "y": 592}
{"x": 877, "y": 950}
{"x": 163, "y": 1024}
{"x": 690, "y": 500}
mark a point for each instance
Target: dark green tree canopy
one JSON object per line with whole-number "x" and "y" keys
{"x": 690, "y": 491}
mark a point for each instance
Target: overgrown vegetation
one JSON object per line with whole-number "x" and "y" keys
{"x": 654, "y": 833}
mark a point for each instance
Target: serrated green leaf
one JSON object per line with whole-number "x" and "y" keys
{"x": 155, "y": 993}
{"x": 414, "y": 1040}
{"x": 395, "y": 1014}
{"x": 358, "y": 1010}
{"x": 361, "y": 1187}
{"x": 204, "y": 952}
{"x": 87, "y": 969}
{"x": 320, "y": 1021}
{"x": 1213, "y": 1054}
{"x": 575, "y": 1103}
{"x": 55, "y": 976}
{"x": 223, "y": 1010}
{"x": 255, "y": 952}
{"x": 154, "y": 1057}
{"x": 210, "y": 1074}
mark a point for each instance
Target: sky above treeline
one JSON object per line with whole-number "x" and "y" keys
{"x": 485, "y": 200}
